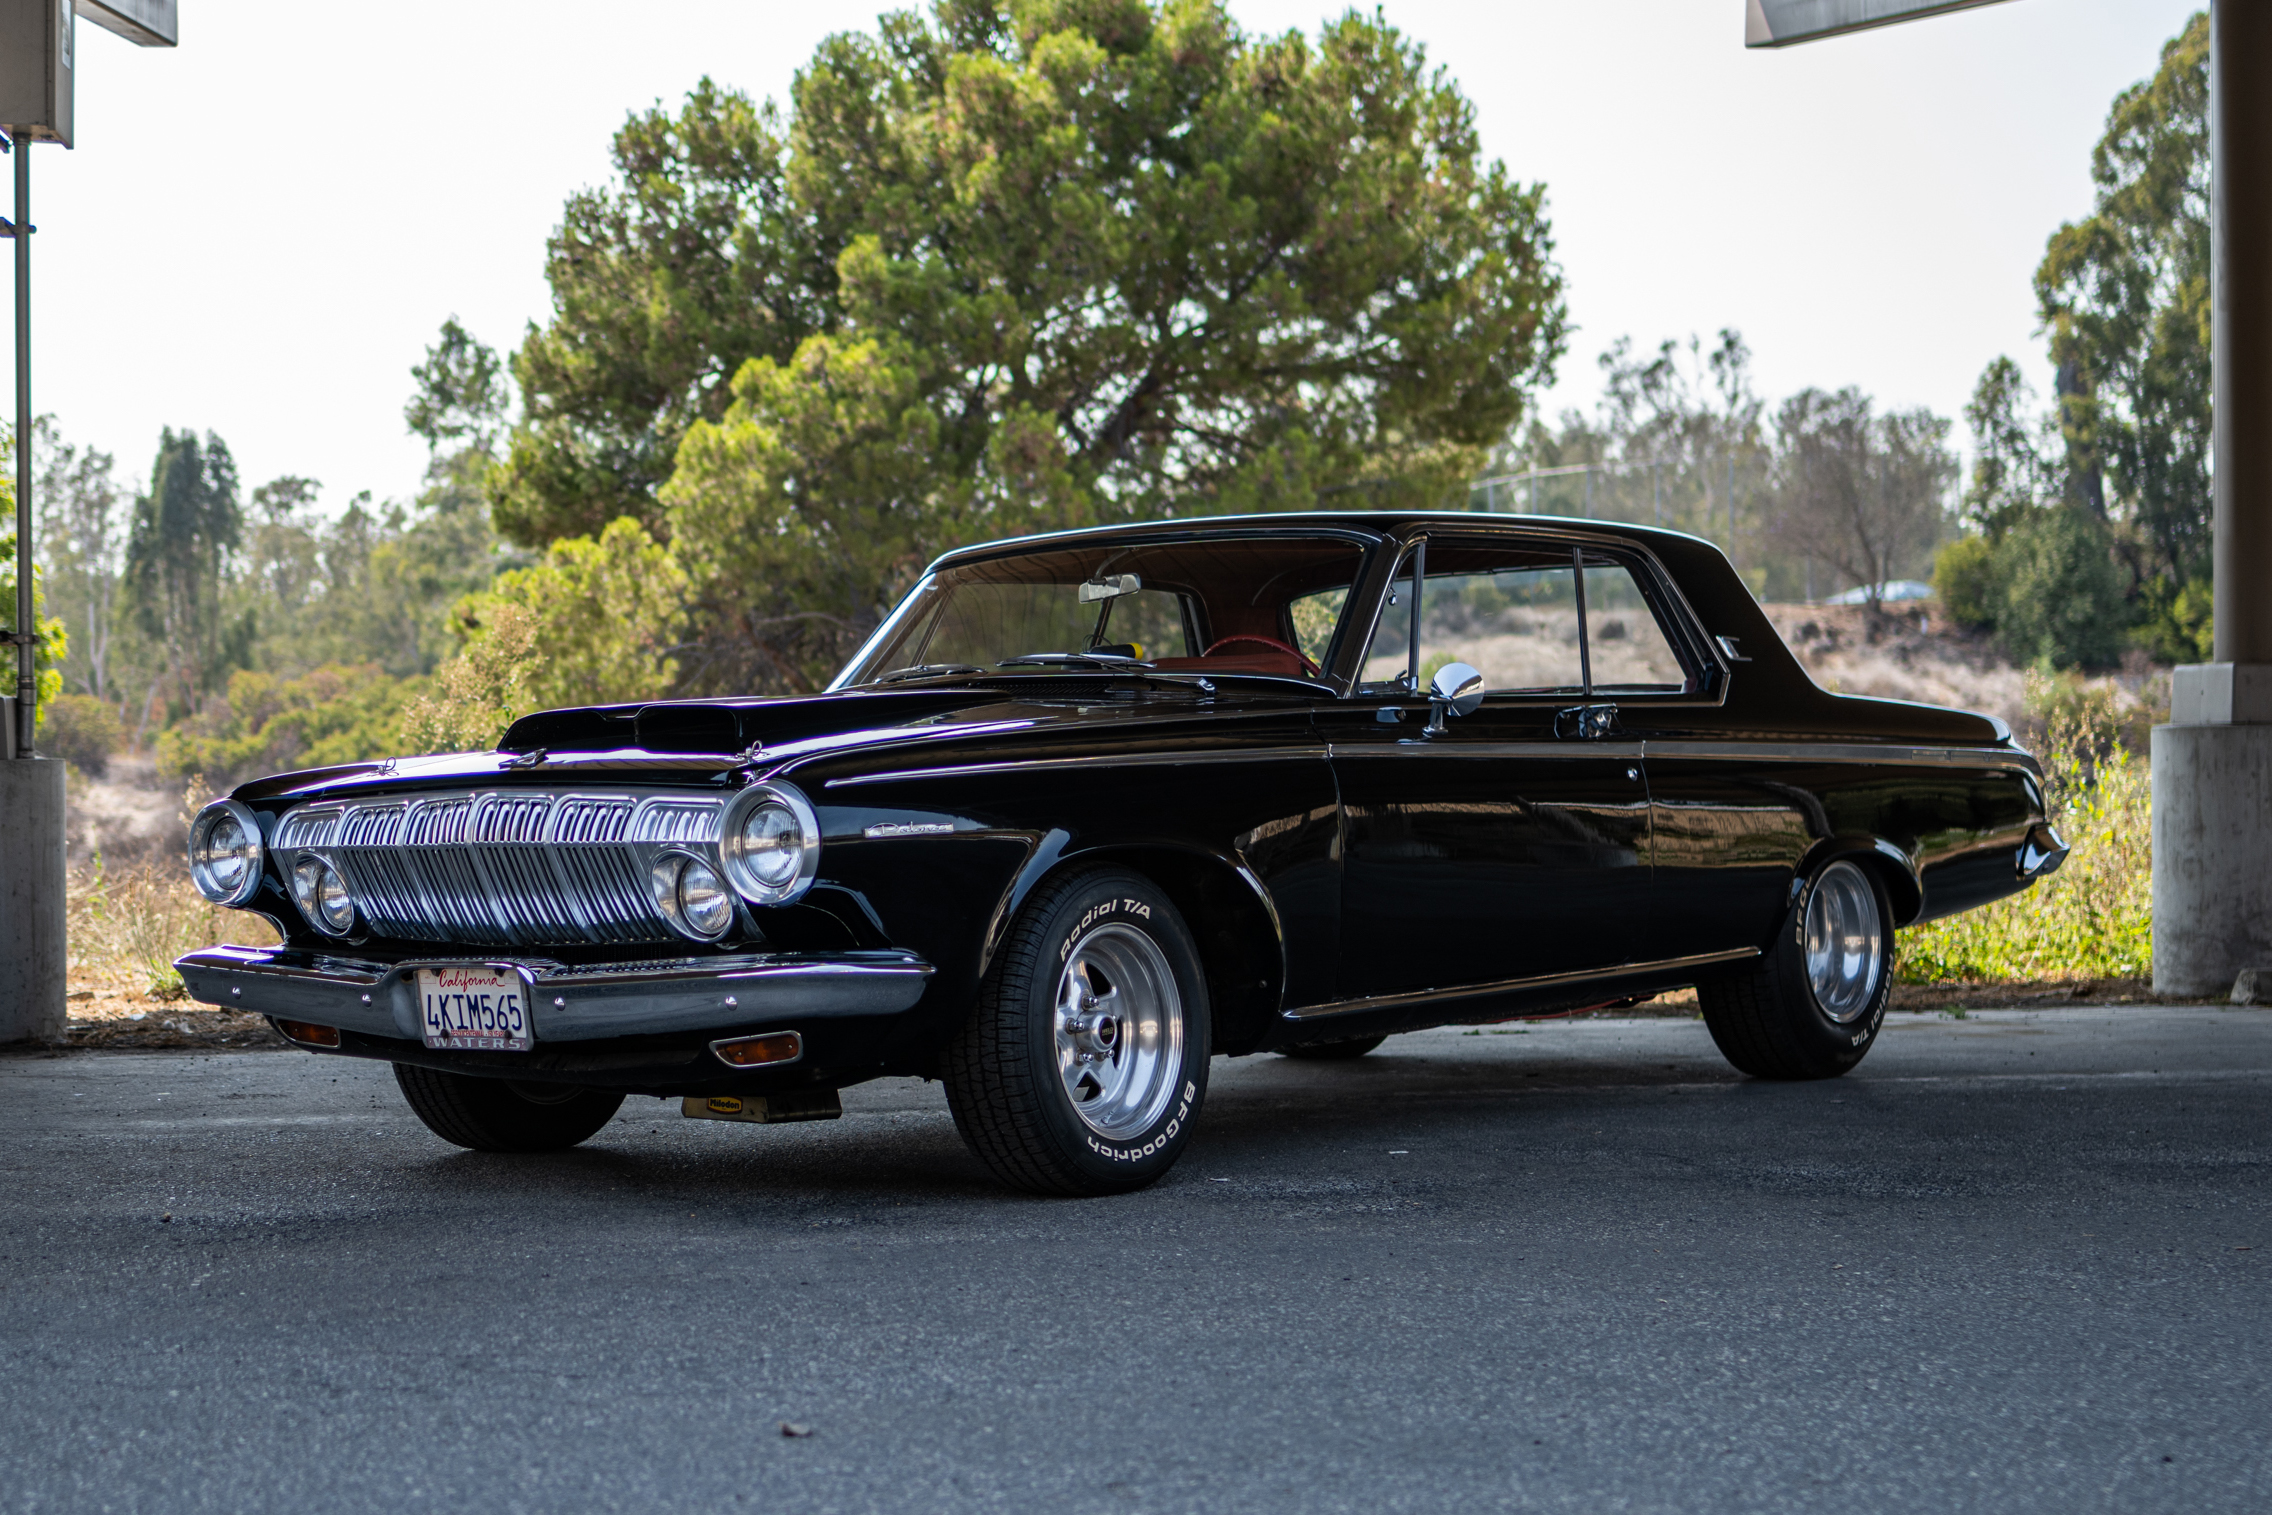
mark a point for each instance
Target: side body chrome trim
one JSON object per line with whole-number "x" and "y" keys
{"x": 1097, "y": 760}
{"x": 1417, "y": 997}
{"x": 1846, "y": 752}
{"x": 1545, "y": 751}
{"x": 1542, "y": 750}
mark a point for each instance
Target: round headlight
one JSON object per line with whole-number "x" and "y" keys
{"x": 691, "y": 896}
{"x": 702, "y": 899}
{"x": 225, "y": 853}
{"x": 771, "y": 843}
{"x": 322, "y": 896}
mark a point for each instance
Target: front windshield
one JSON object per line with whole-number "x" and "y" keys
{"x": 1250, "y": 604}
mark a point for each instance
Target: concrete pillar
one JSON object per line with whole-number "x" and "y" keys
{"x": 32, "y": 963}
{"x": 2212, "y": 764}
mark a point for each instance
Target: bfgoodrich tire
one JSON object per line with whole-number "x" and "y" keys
{"x": 498, "y": 1115}
{"x": 1082, "y": 1067}
{"x": 1812, "y": 1007}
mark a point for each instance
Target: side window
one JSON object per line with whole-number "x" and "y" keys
{"x": 1518, "y": 626}
{"x": 1628, "y": 646}
{"x": 1314, "y": 616}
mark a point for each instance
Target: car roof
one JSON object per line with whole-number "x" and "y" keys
{"x": 1379, "y": 524}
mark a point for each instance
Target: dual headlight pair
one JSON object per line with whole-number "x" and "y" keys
{"x": 769, "y": 846}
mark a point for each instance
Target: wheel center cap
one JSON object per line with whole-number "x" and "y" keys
{"x": 1093, "y": 1036}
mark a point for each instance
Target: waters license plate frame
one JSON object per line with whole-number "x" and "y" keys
{"x": 475, "y": 1007}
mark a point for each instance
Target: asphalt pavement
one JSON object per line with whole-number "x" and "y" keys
{"x": 2018, "y": 1261}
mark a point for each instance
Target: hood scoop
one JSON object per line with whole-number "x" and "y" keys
{"x": 724, "y": 728}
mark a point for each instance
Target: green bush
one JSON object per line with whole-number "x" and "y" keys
{"x": 2180, "y": 622}
{"x": 2094, "y": 918}
{"x": 2062, "y": 602}
{"x": 335, "y": 714}
{"x": 81, "y": 730}
{"x": 1964, "y": 580}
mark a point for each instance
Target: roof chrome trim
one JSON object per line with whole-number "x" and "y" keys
{"x": 1416, "y": 997}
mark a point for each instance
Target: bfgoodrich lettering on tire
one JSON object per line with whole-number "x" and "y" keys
{"x": 1082, "y": 1068}
{"x": 1813, "y": 1005}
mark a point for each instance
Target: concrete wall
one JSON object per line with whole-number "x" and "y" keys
{"x": 32, "y": 965}
{"x": 2212, "y": 856}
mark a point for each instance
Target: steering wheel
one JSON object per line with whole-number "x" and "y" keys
{"x": 1274, "y": 645}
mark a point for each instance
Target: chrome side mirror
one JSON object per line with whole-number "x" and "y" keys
{"x": 1455, "y": 690}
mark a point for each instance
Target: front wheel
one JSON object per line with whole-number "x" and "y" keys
{"x": 1083, "y": 1066}
{"x": 1812, "y": 1007}
{"x": 500, "y": 1115}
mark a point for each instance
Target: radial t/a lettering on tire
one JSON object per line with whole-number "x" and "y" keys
{"x": 1083, "y": 1065}
{"x": 1812, "y": 1007}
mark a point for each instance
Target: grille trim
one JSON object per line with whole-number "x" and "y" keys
{"x": 506, "y": 868}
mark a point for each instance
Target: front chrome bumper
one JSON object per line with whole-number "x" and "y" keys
{"x": 567, "y": 1003}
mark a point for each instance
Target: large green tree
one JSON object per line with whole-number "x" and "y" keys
{"x": 2125, "y": 296}
{"x": 1019, "y": 265}
{"x": 177, "y": 559}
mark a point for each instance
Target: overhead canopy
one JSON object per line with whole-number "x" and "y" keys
{"x": 151, "y": 23}
{"x": 1779, "y": 23}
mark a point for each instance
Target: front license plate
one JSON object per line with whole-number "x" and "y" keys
{"x": 474, "y": 1010}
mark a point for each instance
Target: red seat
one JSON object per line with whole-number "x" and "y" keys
{"x": 1245, "y": 660}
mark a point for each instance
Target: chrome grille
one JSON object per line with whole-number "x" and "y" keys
{"x": 518, "y": 868}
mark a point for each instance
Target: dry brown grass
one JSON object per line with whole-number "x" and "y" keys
{"x": 127, "y": 925}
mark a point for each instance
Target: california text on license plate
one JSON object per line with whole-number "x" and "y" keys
{"x": 474, "y": 1009}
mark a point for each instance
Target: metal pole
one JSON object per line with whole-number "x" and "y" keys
{"x": 2240, "y": 136}
{"x": 27, "y": 680}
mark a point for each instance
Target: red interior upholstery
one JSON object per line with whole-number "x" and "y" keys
{"x": 1247, "y": 659}
{"x": 1244, "y": 652}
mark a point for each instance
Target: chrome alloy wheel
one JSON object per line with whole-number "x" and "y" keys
{"x": 1119, "y": 1024}
{"x": 1845, "y": 942}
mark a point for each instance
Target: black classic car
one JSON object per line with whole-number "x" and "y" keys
{"x": 1088, "y": 808}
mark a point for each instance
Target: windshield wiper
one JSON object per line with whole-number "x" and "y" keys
{"x": 926, "y": 671}
{"x": 1073, "y": 660}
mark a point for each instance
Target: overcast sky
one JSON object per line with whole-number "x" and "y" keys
{"x": 260, "y": 231}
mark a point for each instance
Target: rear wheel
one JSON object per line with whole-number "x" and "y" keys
{"x": 1812, "y": 1007}
{"x": 503, "y": 1115}
{"x": 1083, "y": 1065}
{"x": 1333, "y": 1052}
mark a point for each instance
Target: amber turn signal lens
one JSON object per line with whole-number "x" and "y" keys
{"x": 759, "y": 1051}
{"x": 307, "y": 1035}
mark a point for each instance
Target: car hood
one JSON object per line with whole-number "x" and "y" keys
{"x": 703, "y": 742}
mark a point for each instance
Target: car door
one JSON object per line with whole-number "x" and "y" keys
{"x": 1514, "y": 842}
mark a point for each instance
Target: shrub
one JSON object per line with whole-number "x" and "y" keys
{"x": 81, "y": 730}
{"x": 481, "y": 691}
{"x": 1964, "y": 580}
{"x": 2062, "y": 602}
{"x": 2094, "y": 918}
{"x": 336, "y": 714}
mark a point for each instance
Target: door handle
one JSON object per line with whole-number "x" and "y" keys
{"x": 1588, "y": 723}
